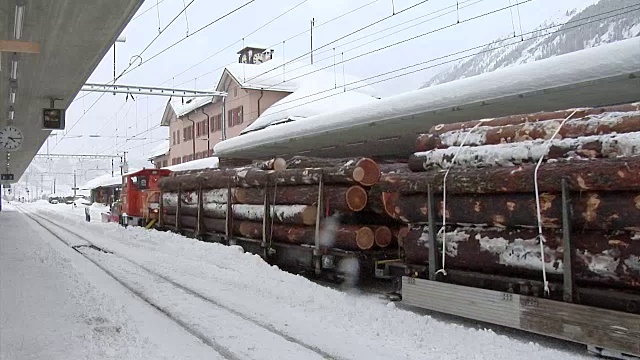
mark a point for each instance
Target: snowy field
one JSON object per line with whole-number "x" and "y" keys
{"x": 179, "y": 298}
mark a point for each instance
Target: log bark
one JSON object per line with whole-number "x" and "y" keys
{"x": 609, "y": 259}
{"x": 587, "y": 147}
{"x": 588, "y": 211}
{"x": 345, "y": 237}
{"x": 284, "y": 214}
{"x": 607, "y": 123}
{"x": 338, "y": 198}
{"x": 533, "y": 117}
{"x": 250, "y": 177}
{"x": 365, "y": 171}
{"x": 395, "y": 168}
{"x": 591, "y": 175}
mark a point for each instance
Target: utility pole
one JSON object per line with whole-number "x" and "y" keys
{"x": 313, "y": 22}
{"x": 54, "y": 185}
{"x": 111, "y": 167}
{"x": 119, "y": 39}
{"x": 75, "y": 187}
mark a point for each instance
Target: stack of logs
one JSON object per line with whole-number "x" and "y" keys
{"x": 491, "y": 212}
{"x": 291, "y": 189}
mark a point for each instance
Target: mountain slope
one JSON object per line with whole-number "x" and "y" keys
{"x": 573, "y": 34}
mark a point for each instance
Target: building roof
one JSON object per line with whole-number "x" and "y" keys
{"x": 206, "y": 163}
{"x": 313, "y": 98}
{"x": 102, "y": 181}
{"x": 160, "y": 150}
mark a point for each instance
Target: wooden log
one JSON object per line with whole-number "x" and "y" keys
{"x": 365, "y": 171}
{"x": 609, "y": 259}
{"x": 272, "y": 164}
{"x": 621, "y": 174}
{"x": 587, "y": 147}
{"x": 533, "y": 117}
{"x": 338, "y": 198}
{"x": 285, "y": 214}
{"x": 346, "y": 237}
{"x": 250, "y": 177}
{"x": 607, "y": 123}
{"x": 382, "y": 236}
{"x": 588, "y": 211}
{"x": 395, "y": 168}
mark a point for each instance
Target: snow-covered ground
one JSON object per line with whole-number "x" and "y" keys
{"x": 244, "y": 308}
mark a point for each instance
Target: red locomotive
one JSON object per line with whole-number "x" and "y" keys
{"x": 141, "y": 196}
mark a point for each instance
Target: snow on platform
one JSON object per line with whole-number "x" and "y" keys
{"x": 56, "y": 305}
{"x": 344, "y": 325}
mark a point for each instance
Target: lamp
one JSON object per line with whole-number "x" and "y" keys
{"x": 13, "y": 88}
{"x": 17, "y": 25}
{"x": 11, "y": 113}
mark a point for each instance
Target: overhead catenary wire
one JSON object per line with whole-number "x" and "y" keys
{"x": 344, "y": 36}
{"x": 404, "y": 41}
{"x": 486, "y": 48}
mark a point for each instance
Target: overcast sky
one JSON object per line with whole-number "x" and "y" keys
{"x": 113, "y": 115}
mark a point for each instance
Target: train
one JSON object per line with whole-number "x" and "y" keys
{"x": 521, "y": 229}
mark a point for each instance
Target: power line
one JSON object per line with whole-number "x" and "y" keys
{"x": 488, "y": 48}
{"x": 403, "y": 41}
{"x": 147, "y": 10}
{"x": 342, "y": 37}
{"x": 127, "y": 71}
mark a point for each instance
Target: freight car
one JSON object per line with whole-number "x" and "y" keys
{"x": 499, "y": 220}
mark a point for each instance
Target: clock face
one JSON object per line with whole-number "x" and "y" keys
{"x": 10, "y": 138}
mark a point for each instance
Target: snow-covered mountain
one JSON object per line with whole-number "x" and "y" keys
{"x": 578, "y": 29}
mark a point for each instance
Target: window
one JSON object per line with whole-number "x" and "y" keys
{"x": 210, "y": 152}
{"x": 205, "y": 127}
{"x": 198, "y": 129}
{"x": 185, "y": 158}
{"x": 190, "y": 157}
{"x": 212, "y": 124}
{"x": 230, "y": 118}
{"x": 235, "y": 92}
{"x": 239, "y": 115}
{"x": 173, "y": 137}
{"x": 159, "y": 165}
{"x": 165, "y": 163}
{"x": 219, "y": 126}
{"x": 178, "y": 137}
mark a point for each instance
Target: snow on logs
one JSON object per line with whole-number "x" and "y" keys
{"x": 609, "y": 259}
{"x": 510, "y": 154}
{"x": 601, "y": 124}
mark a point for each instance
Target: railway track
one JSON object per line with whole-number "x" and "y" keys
{"x": 116, "y": 265}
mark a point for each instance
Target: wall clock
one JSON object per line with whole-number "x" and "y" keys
{"x": 11, "y": 138}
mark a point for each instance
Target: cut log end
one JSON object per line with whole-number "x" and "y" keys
{"x": 365, "y": 238}
{"x": 309, "y": 215}
{"x": 356, "y": 198}
{"x": 402, "y": 234}
{"x": 383, "y": 236}
{"x": 367, "y": 172}
{"x": 279, "y": 164}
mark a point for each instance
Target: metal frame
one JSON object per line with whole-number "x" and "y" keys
{"x": 178, "y": 209}
{"x": 317, "y": 254}
{"x": 568, "y": 281}
{"x": 433, "y": 258}
{"x": 613, "y": 331}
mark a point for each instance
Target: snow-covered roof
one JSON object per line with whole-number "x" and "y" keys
{"x": 183, "y": 106}
{"x": 103, "y": 180}
{"x": 206, "y": 163}
{"x": 556, "y": 83}
{"x": 308, "y": 101}
{"x": 159, "y": 150}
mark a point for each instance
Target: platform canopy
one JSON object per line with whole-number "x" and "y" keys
{"x": 55, "y": 45}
